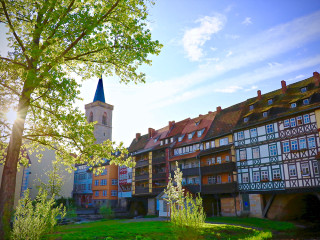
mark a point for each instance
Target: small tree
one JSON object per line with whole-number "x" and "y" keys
{"x": 186, "y": 212}
{"x": 31, "y": 221}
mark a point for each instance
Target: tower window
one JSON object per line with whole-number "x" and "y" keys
{"x": 91, "y": 117}
{"x": 104, "y": 118}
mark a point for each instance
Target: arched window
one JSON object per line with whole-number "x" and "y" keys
{"x": 91, "y": 117}
{"x": 104, "y": 118}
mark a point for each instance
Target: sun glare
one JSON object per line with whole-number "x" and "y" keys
{"x": 11, "y": 116}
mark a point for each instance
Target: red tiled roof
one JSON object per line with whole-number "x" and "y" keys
{"x": 158, "y": 135}
{"x": 178, "y": 127}
{"x": 185, "y": 156}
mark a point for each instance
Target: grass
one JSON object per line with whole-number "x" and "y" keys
{"x": 259, "y": 223}
{"x": 156, "y": 230}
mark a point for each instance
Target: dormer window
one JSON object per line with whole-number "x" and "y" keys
{"x": 270, "y": 101}
{"x": 246, "y": 119}
{"x": 304, "y": 89}
{"x": 180, "y": 138}
{"x": 190, "y": 135}
{"x": 305, "y": 101}
{"x": 265, "y": 114}
{"x": 199, "y": 133}
{"x": 156, "y": 139}
{"x": 293, "y": 105}
{"x": 197, "y": 123}
{"x": 161, "y": 142}
{"x": 251, "y": 107}
{"x": 166, "y": 141}
{"x": 171, "y": 140}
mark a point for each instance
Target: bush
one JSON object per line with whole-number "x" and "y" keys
{"x": 106, "y": 212}
{"x": 33, "y": 221}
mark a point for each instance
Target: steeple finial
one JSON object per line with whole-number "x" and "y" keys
{"x": 99, "y": 96}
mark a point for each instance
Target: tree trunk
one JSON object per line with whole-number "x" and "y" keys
{"x": 8, "y": 182}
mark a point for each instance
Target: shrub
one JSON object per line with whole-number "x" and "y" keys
{"x": 33, "y": 221}
{"x": 106, "y": 212}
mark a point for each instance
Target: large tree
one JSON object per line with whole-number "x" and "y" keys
{"x": 50, "y": 40}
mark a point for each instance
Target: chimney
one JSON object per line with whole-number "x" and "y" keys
{"x": 209, "y": 112}
{"x": 218, "y": 109}
{"x": 151, "y": 132}
{"x": 316, "y": 79}
{"x": 138, "y": 135}
{"x": 171, "y": 123}
{"x": 259, "y": 94}
{"x": 283, "y": 86}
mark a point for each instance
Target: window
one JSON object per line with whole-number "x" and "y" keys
{"x": 180, "y": 138}
{"x": 316, "y": 167}
{"x": 105, "y": 171}
{"x": 114, "y": 182}
{"x": 89, "y": 186}
{"x": 253, "y": 132}
{"x": 270, "y": 101}
{"x": 264, "y": 175}
{"x": 104, "y": 118}
{"x": 276, "y": 174}
{"x": 285, "y": 147}
{"x": 219, "y": 160}
{"x": 305, "y": 169}
{"x": 171, "y": 140}
{"x": 114, "y": 193}
{"x": 209, "y": 161}
{"x": 207, "y": 145}
{"x": 176, "y": 151}
{"x": 299, "y": 120}
{"x": 265, "y": 114}
{"x": 96, "y": 193}
{"x": 91, "y": 117}
{"x": 218, "y": 179}
{"x": 229, "y": 178}
{"x": 164, "y": 206}
{"x": 302, "y": 143}
{"x": 190, "y": 135}
{"x": 292, "y": 170}
{"x": 306, "y": 118}
{"x": 245, "y": 177}
{"x": 240, "y": 135}
{"x": 286, "y": 123}
{"x": 256, "y": 176}
{"x": 293, "y": 105}
{"x": 90, "y": 175}
{"x": 227, "y": 159}
{"x": 304, "y": 89}
{"x": 293, "y": 122}
{"x": 212, "y": 144}
{"x": 294, "y": 145}
{"x": 251, "y": 107}
{"x": 199, "y": 133}
{"x": 245, "y": 119}
{"x": 273, "y": 150}
{"x": 103, "y": 182}
{"x": 96, "y": 182}
{"x": 166, "y": 141}
{"x": 255, "y": 153}
{"x": 270, "y": 128}
{"x": 224, "y": 141}
{"x": 104, "y": 193}
{"x": 305, "y": 101}
{"x": 161, "y": 142}
{"x": 311, "y": 142}
{"x": 243, "y": 154}
{"x": 211, "y": 179}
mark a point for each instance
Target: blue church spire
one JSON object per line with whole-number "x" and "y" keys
{"x": 99, "y": 96}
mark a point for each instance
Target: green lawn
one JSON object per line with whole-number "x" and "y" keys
{"x": 119, "y": 229}
{"x": 264, "y": 224}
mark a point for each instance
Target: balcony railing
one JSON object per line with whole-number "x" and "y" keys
{"x": 158, "y": 175}
{"x": 158, "y": 160}
{"x": 141, "y": 190}
{"x": 142, "y": 163}
{"x": 188, "y": 172}
{"x": 216, "y": 150}
{"x": 157, "y": 190}
{"x": 219, "y": 188}
{"x": 142, "y": 177}
{"x": 194, "y": 188}
{"x": 218, "y": 168}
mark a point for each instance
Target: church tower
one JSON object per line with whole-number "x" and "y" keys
{"x": 101, "y": 112}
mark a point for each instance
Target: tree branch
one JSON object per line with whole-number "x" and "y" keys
{"x": 14, "y": 62}
{"x": 10, "y": 88}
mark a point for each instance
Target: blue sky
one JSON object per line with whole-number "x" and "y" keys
{"x": 216, "y": 53}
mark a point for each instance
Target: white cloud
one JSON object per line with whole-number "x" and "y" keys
{"x": 247, "y": 21}
{"x": 229, "y": 54}
{"x": 273, "y": 64}
{"x": 213, "y": 49}
{"x": 232, "y": 36}
{"x": 251, "y": 88}
{"x": 229, "y": 89}
{"x": 194, "y": 38}
{"x": 299, "y": 77}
